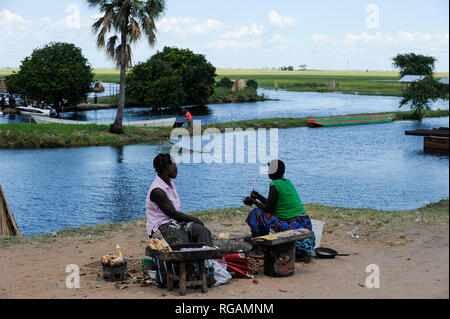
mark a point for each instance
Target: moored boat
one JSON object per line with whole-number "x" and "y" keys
{"x": 351, "y": 120}
{"x": 166, "y": 122}
{"x": 29, "y": 110}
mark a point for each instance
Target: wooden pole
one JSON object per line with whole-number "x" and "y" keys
{"x": 8, "y": 224}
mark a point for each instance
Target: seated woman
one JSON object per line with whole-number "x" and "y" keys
{"x": 281, "y": 211}
{"x": 163, "y": 205}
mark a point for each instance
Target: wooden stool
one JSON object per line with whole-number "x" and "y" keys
{"x": 183, "y": 281}
{"x": 279, "y": 251}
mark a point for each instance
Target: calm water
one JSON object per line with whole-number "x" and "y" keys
{"x": 288, "y": 104}
{"x": 374, "y": 166}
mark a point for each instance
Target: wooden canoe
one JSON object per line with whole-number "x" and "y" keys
{"x": 351, "y": 120}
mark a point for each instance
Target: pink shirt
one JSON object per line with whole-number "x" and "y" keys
{"x": 155, "y": 216}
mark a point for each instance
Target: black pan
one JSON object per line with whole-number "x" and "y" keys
{"x": 328, "y": 253}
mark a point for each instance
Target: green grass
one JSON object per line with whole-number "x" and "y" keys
{"x": 25, "y": 135}
{"x": 299, "y": 122}
{"x": 337, "y": 219}
{"x": 62, "y": 135}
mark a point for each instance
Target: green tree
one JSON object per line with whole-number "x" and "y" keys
{"x": 128, "y": 19}
{"x": 420, "y": 93}
{"x": 414, "y": 64}
{"x": 54, "y": 73}
{"x": 196, "y": 72}
{"x": 153, "y": 83}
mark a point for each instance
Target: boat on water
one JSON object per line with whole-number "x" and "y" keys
{"x": 166, "y": 122}
{"x": 1, "y": 113}
{"x": 351, "y": 120}
{"x": 29, "y": 110}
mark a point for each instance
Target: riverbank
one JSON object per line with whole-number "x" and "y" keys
{"x": 16, "y": 136}
{"x": 410, "y": 248}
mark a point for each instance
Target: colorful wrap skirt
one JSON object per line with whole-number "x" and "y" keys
{"x": 265, "y": 223}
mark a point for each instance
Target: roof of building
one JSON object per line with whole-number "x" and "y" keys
{"x": 412, "y": 78}
{"x": 443, "y": 81}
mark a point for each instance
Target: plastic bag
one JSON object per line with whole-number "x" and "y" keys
{"x": 221, "y": 275}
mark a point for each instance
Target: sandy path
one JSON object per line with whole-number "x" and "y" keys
{"x": 415, "y": 266}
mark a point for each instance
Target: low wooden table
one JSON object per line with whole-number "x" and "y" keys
{"x": 182, "y": 260}
{"x": 279, "y": 251}
{"x": 183, "y": 280}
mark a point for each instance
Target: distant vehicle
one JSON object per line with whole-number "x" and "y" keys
{"x": 6, "y": 96}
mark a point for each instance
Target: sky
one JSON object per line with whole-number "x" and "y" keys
{"x": 250, "y": 34}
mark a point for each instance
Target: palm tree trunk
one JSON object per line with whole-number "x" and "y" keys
{"x": 117, "y": 127}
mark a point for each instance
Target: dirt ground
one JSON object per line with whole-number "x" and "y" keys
{"x": 413, "y": 263}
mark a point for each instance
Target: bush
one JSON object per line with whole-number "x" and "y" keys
{"x": 225, "y": 82}
{"x": 252, "y": 83}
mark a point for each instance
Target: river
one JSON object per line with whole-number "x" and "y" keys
{"x": 363, "y": 166}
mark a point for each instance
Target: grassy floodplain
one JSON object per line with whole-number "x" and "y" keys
{"x": 351, "y": 82}
{"x": 369, "y": 222}
{"x": 24, "y": 135}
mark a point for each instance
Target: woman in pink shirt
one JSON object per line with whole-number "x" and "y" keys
{"x": 163, "y": 205}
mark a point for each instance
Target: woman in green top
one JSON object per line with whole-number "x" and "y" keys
{"x": 281, "y": 211}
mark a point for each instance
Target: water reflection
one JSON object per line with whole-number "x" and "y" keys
{"x": 285, "y": 104}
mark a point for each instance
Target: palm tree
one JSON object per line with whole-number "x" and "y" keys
{"x": 128, "y": 19}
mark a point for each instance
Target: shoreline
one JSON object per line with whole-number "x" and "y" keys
{"x": 31, "y": 136}
{"x": 410, "y": 248}
{"x": 333, "y": 216}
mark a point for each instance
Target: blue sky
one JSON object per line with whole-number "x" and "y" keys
{"x": 338, "y": 35}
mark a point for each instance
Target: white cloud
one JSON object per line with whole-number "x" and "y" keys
{"x": 9, "y": 17}
{"x": 279, "y": 42}
{"x": 279, "y": 21}
{"x": 183, "y": 26}
{"x": 401, "y": 38}
{"x": 244, "y": 31}
{"x": 235, "y": 44}
{"x": 73, "y": 20}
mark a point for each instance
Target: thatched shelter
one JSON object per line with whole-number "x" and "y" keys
{"x": 2, "y": 85}
{"x": 8, "y": 225}
{"x": 238, "y": 85}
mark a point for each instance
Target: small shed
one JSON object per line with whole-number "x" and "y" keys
{"x": 2, "y": 85}
{"x": 238, "y": 85}
{"x": 444, "y": 81}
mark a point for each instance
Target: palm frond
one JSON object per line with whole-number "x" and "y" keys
{"x": 134, "y": 30}
{"x": 111, "y": 47}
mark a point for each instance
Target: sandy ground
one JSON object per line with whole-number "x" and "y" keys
{"x": 413, "y": 263}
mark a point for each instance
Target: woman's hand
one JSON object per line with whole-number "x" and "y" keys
{"x": 249, "y": 201}
{"x": 254, "y": 194}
